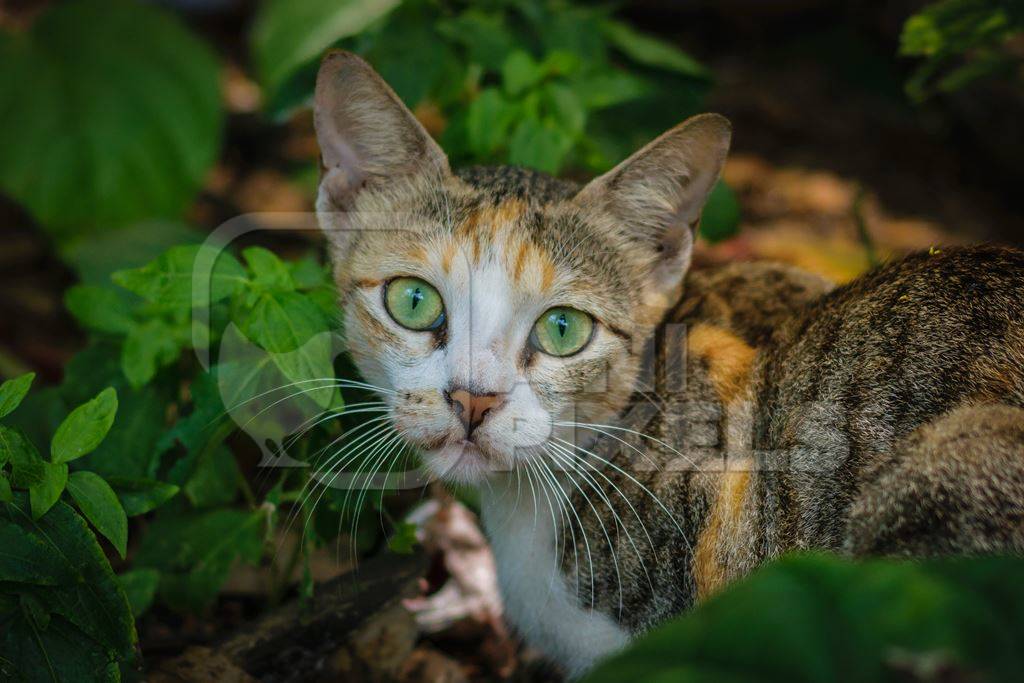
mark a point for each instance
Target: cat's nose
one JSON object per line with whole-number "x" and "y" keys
{"x": 470, "y": 408}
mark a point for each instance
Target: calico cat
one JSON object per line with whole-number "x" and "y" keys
{"x": 641, "y": 436}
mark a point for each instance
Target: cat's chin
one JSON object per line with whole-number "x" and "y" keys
{"x": 462, "y": 462}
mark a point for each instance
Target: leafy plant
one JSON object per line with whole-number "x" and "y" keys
{"x": 962, "y": 41}
{"x": 102, "y": 128}
{"x": 63, "y": 614}
{"x": 821, "y": 618}
{"x": 541, "y": 83}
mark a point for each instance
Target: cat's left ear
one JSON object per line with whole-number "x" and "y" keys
{"x": 654, "y": 199}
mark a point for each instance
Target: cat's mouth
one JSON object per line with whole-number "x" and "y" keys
{"x": 462, "y": 461}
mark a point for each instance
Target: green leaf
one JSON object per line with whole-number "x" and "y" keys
{"x": 84, "y": 429}
{"x": 6, "y": 495}
{"x": 488, "y": 121}
{"x": 484, "y": 34}
{"x": 195, "y": 552}
{"x": 139, "y": 585}
{"x": 822, "y": 618}
{"x": 147, "y": 348}
{"x": 269, "y": 272}
{"x": 169, "y": 280}
{"x": 100, "y": 505}
{"x": 13, "y": 391}
{"x": 721, "y": 216}
{"x": 57, "y": 560}
{"x": 139, "y": 496}
{"x": 539, "y": 146}
{"x": 287, "y": 34}
{"x": 404, "y": 539}
{"x": 43, "y": 495}
{"x": 566, "y": 108}
{"x": 27, "y": 466}
{"x": 284, "y": 321}
{"x": 651, "y": 51}
{"x": 61, "y": 652}
{"x": 520, "y": 72}
{"x": 99, "y": 308}
{"x": 147, "y": 114}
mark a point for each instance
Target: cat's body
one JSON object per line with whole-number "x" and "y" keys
{"x": 639, "y": 441}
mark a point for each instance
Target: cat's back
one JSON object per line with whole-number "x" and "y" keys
{"x": 870, "y": 362}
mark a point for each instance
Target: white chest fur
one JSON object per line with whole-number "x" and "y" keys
{"x": 539, "y": 603}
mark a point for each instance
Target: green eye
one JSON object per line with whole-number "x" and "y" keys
{"x": 414, "y": 304}
{"x": 562, "y": 331}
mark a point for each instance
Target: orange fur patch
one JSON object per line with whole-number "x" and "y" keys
{"x": 709, "y": 571}
{"x": 729, "y": 359}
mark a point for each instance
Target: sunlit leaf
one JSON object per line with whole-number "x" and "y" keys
{"x": 84, "y": 429}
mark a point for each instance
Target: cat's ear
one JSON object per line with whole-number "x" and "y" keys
{"x": 654, "y": 198}
{"x": 368, "y": 137}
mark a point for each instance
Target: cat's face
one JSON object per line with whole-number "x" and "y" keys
{"x": 495, "y": 308}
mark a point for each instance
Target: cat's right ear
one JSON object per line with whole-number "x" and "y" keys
{"x": 368, "y": 138}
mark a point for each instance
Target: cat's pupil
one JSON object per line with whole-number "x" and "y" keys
{"x": 563, "y": 324}
{"x": 417, "y": 297}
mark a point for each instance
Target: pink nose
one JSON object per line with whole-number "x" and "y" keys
{"x": 472, "y": 409}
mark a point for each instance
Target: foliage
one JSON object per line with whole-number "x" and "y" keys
{"x": 538, "y": 83}
{"x": 63, "y": 614}
{"x": 962, "y": 41}
{"x": 820, "y": 618}
{"x": 102, "y": 128}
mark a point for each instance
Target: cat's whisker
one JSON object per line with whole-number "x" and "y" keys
{"x": 566, "y": 459}
{"x": 375, "y": 466}
{"x": 583, "y": 532}
{"x": 635, "y": 481}
{"x": 376, "y": 429}
{"x": 570, "y": 458}
{"x": 599, "y": 427}
{"x": 532, "y": 464}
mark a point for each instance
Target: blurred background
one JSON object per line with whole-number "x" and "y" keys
{"x": 862, "y": 130}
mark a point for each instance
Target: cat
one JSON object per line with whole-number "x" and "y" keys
{"x": 641, "y": 435}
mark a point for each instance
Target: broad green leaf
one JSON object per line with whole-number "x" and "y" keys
{"x": 27, "y": 466}
{"x": 539, "y": 146}
{"x": 99, "y": 308}
{"x": 287, "y": 34}
{"x": 43, "y": 495}
{"x": 60, "y": 652}
{"x": 651, "y": 51}
{"x": 186, "y": 276}
{"x": 566, "y": 108}
{"x": 84, "y": 429}
{"x": 269, "y": 272}
{"x": 821, "y": 618}
{"x": 308, "y": 273}
{"x": 520, "y": 72}
{"x": 147, "y": 114}
{"x": 57, "y": 559}
{"x": 139, "y": 586}
{"x": 488, "y": 121}
{"x": 147, "y": 348}
{"x": 100, "y": 505}
{"x": 13, "y": 391}
{"x": 207, "y": 412}
{"x": 139, "y": 496}
{"x": 284, "y": 321}
{"x": 603, "y": 90}
{"x": 721, "y": 216}
{"x": 195, "y": 552}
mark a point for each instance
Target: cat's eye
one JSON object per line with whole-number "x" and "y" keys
{"x": 414, "y": 303}
{"x": 562, "y": 331}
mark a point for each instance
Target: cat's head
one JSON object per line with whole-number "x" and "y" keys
{"x": 494, "y": 305}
